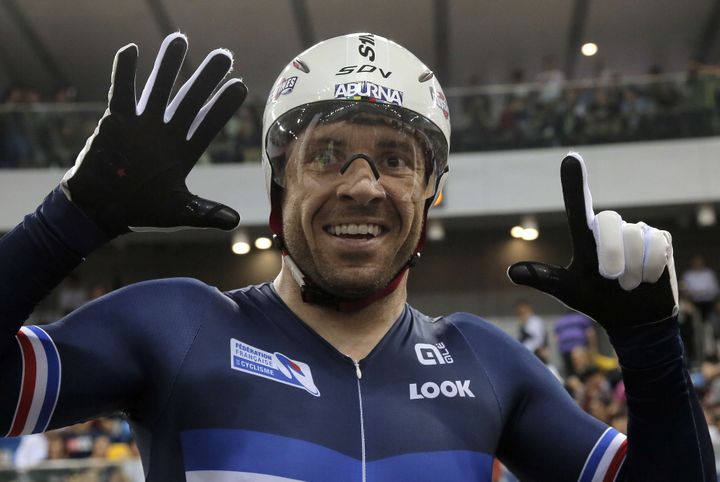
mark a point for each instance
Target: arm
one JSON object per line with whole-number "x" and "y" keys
{"x": 130, "y": 175}
{"x": 118, "y": 353}
{"x": 623, "y": 276}
{"x": 545, "y": 436}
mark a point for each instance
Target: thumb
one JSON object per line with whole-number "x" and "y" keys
{"x": 550, "y": 279}
{"x": 203, "y": 213}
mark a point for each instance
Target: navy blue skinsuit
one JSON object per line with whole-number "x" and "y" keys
{"x": 235, "y": 387}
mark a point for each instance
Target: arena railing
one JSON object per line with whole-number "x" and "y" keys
{"x": 488, "y": 117}
{"x": 76, "y": 470}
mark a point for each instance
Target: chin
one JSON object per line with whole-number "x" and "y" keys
{"x": 354, "y": 284}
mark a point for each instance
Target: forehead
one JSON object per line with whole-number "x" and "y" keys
{"x": 359, "y": 133}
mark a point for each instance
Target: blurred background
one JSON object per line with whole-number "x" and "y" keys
{"x": 633, "y": 86}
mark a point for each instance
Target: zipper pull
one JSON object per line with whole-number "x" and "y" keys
{"x": 357, "y": 369}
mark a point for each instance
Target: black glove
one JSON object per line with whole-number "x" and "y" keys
{"x": 131, "y": 173}
{"x": 621, "y": 274}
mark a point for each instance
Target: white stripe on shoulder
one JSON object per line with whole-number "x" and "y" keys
{"x": 607, "y": 457}
{"x": 226, "y": 476}
{"x": 41, "y": 378}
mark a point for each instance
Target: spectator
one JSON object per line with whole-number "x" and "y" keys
{"x": 552, "y": 79}
{"x": 532, "y": 327}
{"x": 576, "y": 339}
{"x": 32, "y": 450}
{"x": 83, "y": 440}
{"x": 700, "y": 284}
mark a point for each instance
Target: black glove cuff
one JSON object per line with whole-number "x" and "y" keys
{"x": 69, "y": 224}
{"x": 647, "y": 346}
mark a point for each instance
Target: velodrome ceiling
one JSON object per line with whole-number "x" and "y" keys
{"x": 45, "y": 43}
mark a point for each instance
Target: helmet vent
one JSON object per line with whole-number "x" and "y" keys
{"x": 425, "y": 76}
{"x": 300, "y": 65}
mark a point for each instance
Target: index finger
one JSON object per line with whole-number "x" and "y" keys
{"x": 578, "y": 200}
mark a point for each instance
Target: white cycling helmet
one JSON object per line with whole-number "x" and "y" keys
{"x": 349, "y": 76}
{"x": 356, "y": 79}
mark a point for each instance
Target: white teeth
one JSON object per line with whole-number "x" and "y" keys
{"x": 339, "y": 229}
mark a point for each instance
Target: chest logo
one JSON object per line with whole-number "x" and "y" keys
{"x": 436, "y": 354}
{"x": 449, "y": 389}
{"x": 273, "y": 366}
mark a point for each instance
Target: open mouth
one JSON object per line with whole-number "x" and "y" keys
{"x": 355, "y": 231}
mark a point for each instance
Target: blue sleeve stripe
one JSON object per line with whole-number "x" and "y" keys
{"x": 52, "y": 390}
{"x": 212, "y": 454}
{"x": 601, "y": 457}
{"x": 40, "y": 381}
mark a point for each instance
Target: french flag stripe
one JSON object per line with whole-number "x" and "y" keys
{"x": 27, "y": 386}
{"x": 616, "y": 463}
{"x": 602, "y": 459}
{"x": 52, "y": 390}
{"x": 40, "y": 382}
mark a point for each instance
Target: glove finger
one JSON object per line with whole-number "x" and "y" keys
{"x": 193, "y": 94}
{"x": 607, "y": 229}
{"x": 657, "y": 254}
{"x": 634, "y": 246}
{"x": 578, "y": 203}
{"x": 215, "y": 114}
{"x": 550, "y": 279}
{"x": 203, "y": 213}
{"x": 157, "y": 90}
{"x": 183, "y": 210}
{"x": 121, "y": 98}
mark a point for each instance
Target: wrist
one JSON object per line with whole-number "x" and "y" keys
{"x": 647, "y": 346}
{"x": 70, "y": 224}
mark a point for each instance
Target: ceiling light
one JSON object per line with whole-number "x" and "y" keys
{"x": 530, "y": 234}
{"x": 240, "y": 244}
{"x": 527, "y": 229}
{"x": 589, "y": 49}
{"x": 263, "y": 243}
{"x": 435, "y": 230}
{"x": 706, "y": 215}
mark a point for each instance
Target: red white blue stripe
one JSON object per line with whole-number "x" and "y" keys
{"x": 606, "y": 458}
{"x": 40, "y": 384}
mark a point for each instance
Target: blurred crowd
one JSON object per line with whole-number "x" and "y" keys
{"x": 50, "y": 131}
{"x": 547, "y": 110}
{"x": 552, "y": 111}
{"x": 99, "y": 450}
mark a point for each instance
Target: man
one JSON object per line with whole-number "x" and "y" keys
{"x": 532, "y": 327}
{"x": 575, "y": 333}
{"x": 327, "y": 373}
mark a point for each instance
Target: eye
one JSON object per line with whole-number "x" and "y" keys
{"x": 397, "y": 163}
{"x": 323, "y": 156}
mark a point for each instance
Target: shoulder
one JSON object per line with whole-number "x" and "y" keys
{"x": 479, "y": 331}
{"x": 501, "y": 355}
{"x": 149, "y": 303}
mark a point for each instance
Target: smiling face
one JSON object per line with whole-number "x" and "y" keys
{"x": 352, "y": 232}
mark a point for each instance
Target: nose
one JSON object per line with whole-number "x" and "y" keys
{"x": 360, "y": 181}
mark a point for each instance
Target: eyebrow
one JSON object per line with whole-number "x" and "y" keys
{"x": 395, "y": 144}
{"x": 327, "y": 140}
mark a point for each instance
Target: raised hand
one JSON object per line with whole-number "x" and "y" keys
{"x": 131, "y": 173}
{"x": 621, "y": 274}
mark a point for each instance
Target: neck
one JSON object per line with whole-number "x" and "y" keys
{"x": 355, "y": 333}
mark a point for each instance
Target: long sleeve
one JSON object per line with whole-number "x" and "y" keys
{"x": 38, "y": 254}
{"x": 668, "y": 438}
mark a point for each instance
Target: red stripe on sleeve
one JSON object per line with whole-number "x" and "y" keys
{"x": 617, "y": 461}
{"x": 28, "y": 385}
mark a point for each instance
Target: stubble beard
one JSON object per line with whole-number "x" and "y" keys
{"x": 335, "y": 280}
